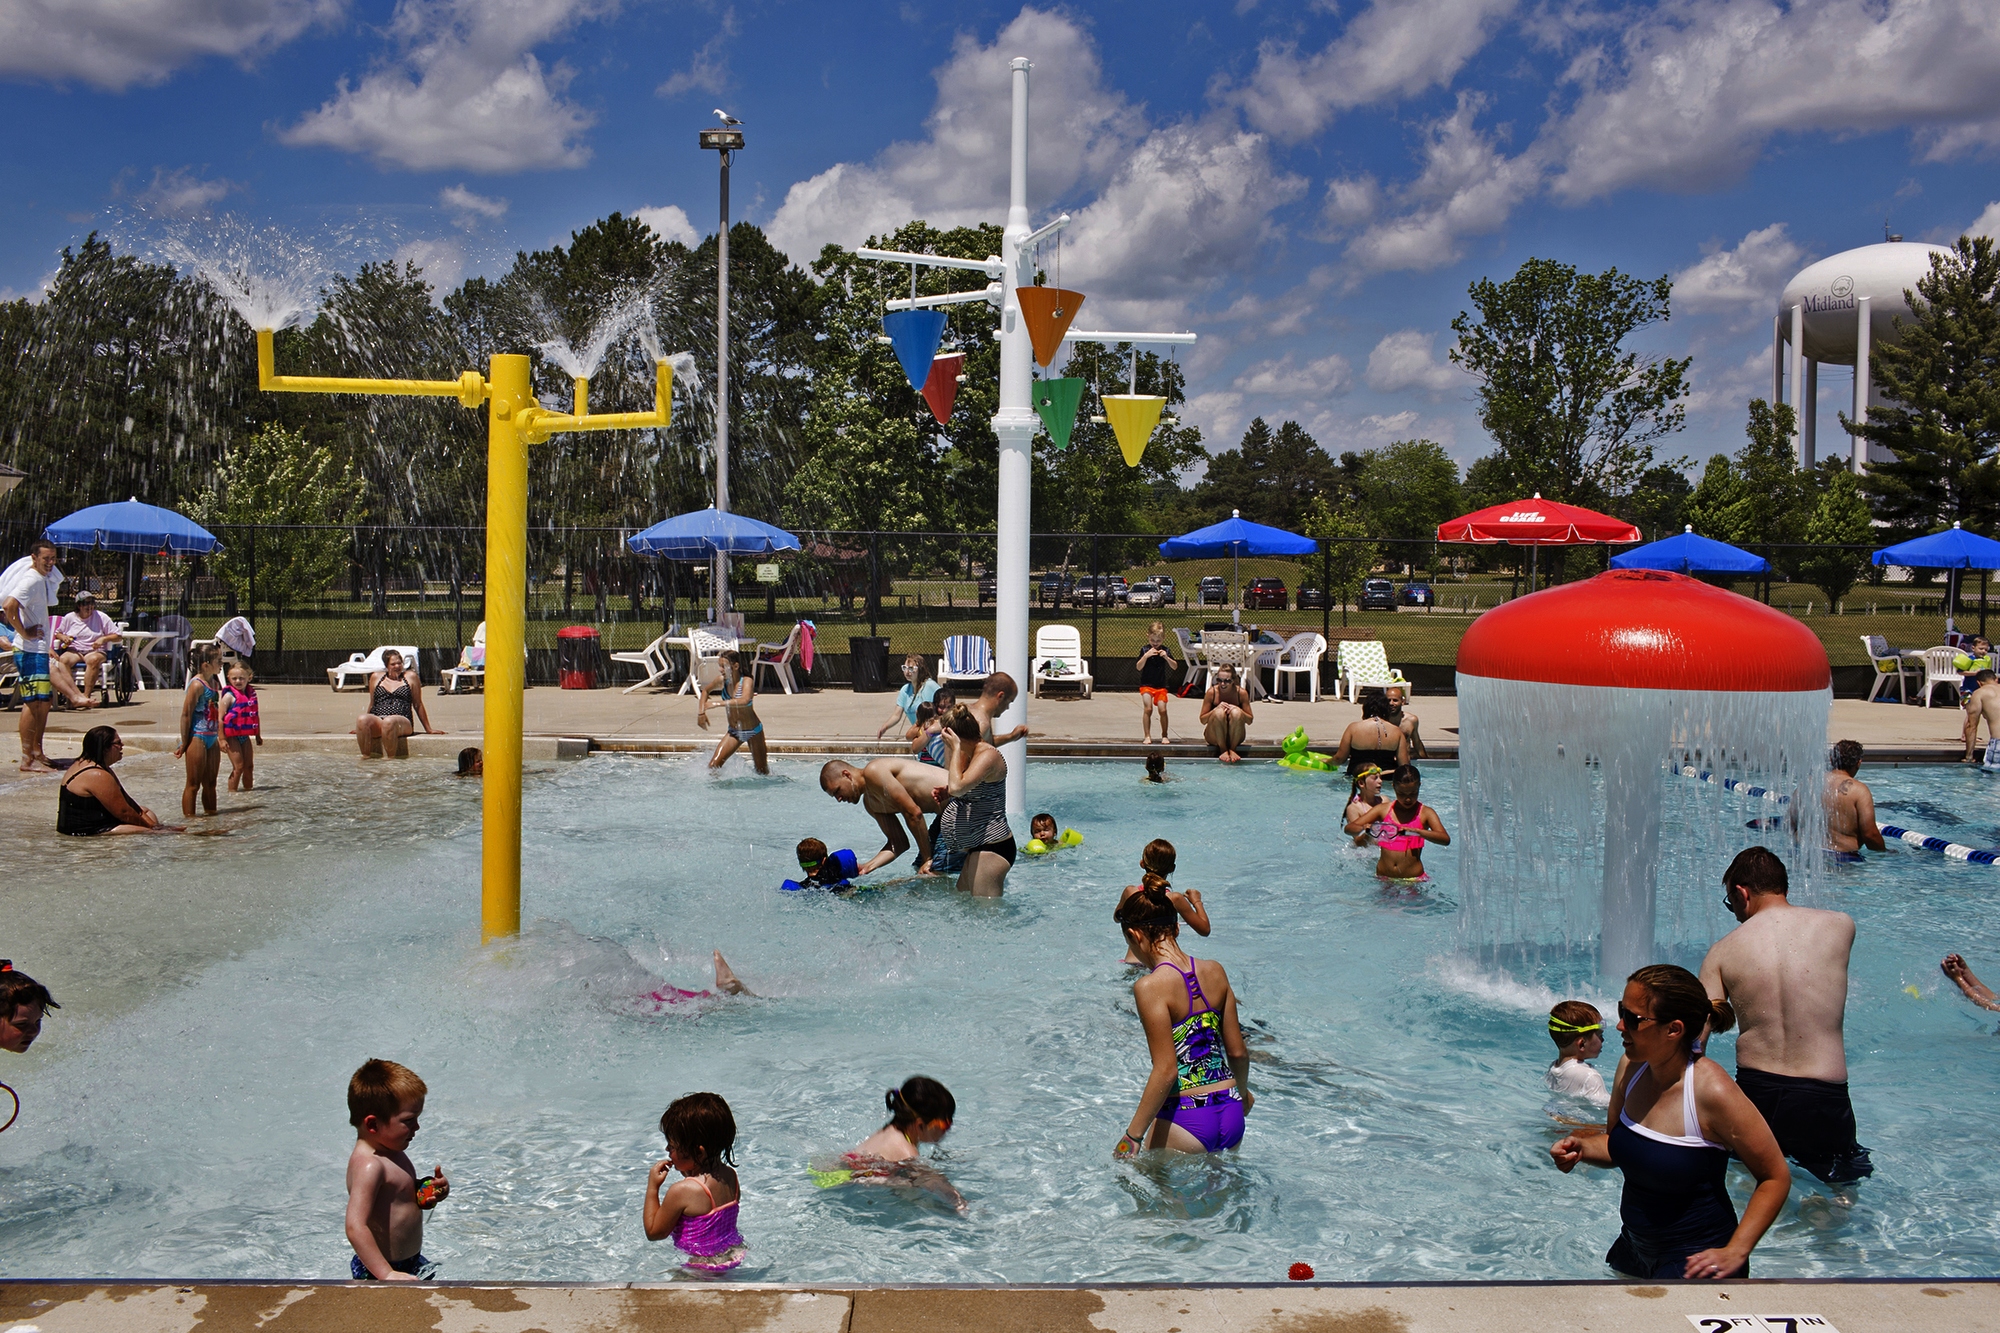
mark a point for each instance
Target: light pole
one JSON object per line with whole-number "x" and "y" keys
{"x": 724, "y": 141}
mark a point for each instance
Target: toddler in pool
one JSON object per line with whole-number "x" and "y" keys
{"x": 920, "y": 1112}
{"x": 699, "y": 1213}
{"x": 1578, "y": 1032}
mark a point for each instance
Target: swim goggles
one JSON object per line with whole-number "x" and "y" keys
{"x": 1558, "y": 1025}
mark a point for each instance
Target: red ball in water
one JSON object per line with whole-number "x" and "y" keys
{"x": 1300, "y": 1272}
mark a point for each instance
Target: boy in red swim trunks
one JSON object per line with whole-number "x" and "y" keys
{"x": 1154, "y": 664}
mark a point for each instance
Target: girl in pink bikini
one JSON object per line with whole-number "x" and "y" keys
{"x": 699, "y": 1213}
{"x": 1401, "y": 828}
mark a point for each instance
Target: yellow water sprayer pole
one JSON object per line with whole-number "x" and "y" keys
{"x": 506, "y": 647}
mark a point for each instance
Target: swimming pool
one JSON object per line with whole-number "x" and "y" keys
{"x": 184, "y": 1113}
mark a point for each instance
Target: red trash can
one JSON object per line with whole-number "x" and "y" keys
{"x": 576, "y": 657}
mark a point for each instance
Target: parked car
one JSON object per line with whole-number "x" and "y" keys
{"x": 1378, "y": 595}
{"x": 1418, "y": 594}
{"x": 1211, "y": 591}
{"x": 1144, "y": 593}
{"x": 1094, "y": 590}
{"x": 1121, "y": 591}
{"x": 1265, "y": 595}
{"x": 1168, "y": 593}
{"x": 1054, "y": 589}
{"x": 1312, "y": 599}
{"x": 989, "y": 588}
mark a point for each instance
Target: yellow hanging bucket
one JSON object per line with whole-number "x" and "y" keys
{"x": 1047, "y": 311}
{"x": 1132, "y": 417}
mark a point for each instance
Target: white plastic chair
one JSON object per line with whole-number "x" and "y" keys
{"x": 359, "y": 668}
{"x": 1361, "y": 663}
{"x": 776, "y": 658}
{"x": 1059, "y": 660}
{"x": 1301, "y": 657}
{"x": 966, "y": 657}
{"x": 705, "y": 648}
{"x": 1939, "y": 669}
{"x": 653, "y": 659}
{"x": 176, "y": 637}
{"x": 1224, "y": 648}
{"x": 1889, "y": 665}
{"x": 454, "y": 679}
{"x": 1190, "y": 657}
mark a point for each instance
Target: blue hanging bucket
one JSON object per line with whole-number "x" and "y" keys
{"x": 915, "y": 335}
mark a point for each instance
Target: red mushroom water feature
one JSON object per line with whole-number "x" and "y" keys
{"x": 1579, "y": 709}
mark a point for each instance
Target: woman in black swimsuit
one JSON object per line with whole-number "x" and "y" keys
{"x": 395, "y": 706}
{"x": 91, "y": 800}
{"x": 1374, "y": 739}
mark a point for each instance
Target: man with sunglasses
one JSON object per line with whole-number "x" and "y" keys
{"x": 1783, "y": 974}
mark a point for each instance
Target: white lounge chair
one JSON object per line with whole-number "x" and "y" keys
{"x": 1889, "y": 665}
{"x": 1059, "y": 660}
{"x": 358, "y": 668}
{"x": 1301, "y": 657}
{"x": 1360, "y": 663}
{"x": 653, "y": 659}
{"x": 776, "y": 658}
{"x": 966, "y": 657}
{"x": 470, "y": 672}
{"x": 1939, "y": 669}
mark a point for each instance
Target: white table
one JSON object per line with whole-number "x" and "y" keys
{"x": 140, "y": 643}
{"x": 685, "y": 643}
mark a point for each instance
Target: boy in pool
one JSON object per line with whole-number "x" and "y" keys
{"x": 1043, "y": 826}
{"x": 1577, "y": 1029}
{"x": 23, "y": 1001}
{"x": 386, "y": 1202}
{"x": 824, "y": 869}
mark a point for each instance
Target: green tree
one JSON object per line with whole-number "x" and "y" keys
{"x": 1657, "y": 506}
{"x": 1407, "y": 489}
{"x": 1270, "y": 476}
{"x": 277, "y": 477}
{"x": 1349, "y": 555}
{"x": 1760, "y": 496}
{"x": 1942, "y": 422}
{"x": 1573, "y": 410}
{"x": 1089, "y": 487}
{"x": 1841, "y": 527}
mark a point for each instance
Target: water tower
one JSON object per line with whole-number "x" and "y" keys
{"x": 1835, "y": 311}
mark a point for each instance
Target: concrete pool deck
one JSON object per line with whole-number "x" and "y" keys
{"x": 1587, "y": 1307}
{"x": 312, "y": 717}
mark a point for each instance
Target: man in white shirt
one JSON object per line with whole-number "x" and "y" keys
{"x": 25, "y": 595}
{"x": 86, "y": 635}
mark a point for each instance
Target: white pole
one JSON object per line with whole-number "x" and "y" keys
{"x": 1809, "y": 417}
{"x": 1799, "y": 381}
{"x": 719, "y": 591}
{"x": 1777, "y": 359}
{"x": 1863, "y": 379}
{"x": 1014, "y": 424}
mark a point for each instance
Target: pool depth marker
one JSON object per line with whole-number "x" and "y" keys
{"x": 1015, "y": 422}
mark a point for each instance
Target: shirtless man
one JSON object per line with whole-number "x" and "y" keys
{"x": 1406, "y": 721}
{"x": 995, "y": 698}
{"x": 1850, "y": 806}
{"x": 1983, "y": 704}
{"x": 1783, "y": 972}
{"x": 895, "y": 786}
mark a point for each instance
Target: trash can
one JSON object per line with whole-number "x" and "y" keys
{"x": 869, "y": 659}
{"x": 576, "y": 657}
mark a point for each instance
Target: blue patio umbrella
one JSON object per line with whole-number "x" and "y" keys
{"x": 1691, "y": 554}
{"x": 1952, "y": 549}
{"x": 1236, "y": 537}
{"x": 711, "y": 531}
{"x": 136, "y": 529}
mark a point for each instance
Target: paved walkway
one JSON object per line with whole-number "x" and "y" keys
{"x": 314, "y": 717}
{"x": 1606, "y": 1307}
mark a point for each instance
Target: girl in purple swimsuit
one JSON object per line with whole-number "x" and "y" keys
{"x": 1198, "y": 1093}
{"x": 699, "y": 1213}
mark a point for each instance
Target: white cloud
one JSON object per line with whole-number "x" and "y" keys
{"x": 180, "y": 193}
{"x": 470, "y": 209}
{"x": 670, "y": 223}
{"x": 1394, "y": 49}
{"x": 706, "y": 72}
{"x": 1406, "y": 360}
{"x": 1218, "y": 413}
{"x": 1987, "y": 223}
{"x": 1468, "y": 187}
{"x": 955, "y": 176}
{"x": 115, "y": 44}
{"x": 443, "y": 261}
{"x": 466, "y": 90}
{"x": 1351, "y": 201}
{"x": 1699, "y": 88}
{"x": 1315, "y": 381}
{"x": 1382, "y": 428}
{"x": 1749, "y": 275}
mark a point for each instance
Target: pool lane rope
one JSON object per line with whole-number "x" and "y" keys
{"x": 1923, "y": 842}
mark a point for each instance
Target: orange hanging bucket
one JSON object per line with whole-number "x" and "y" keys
{"x": 1047, "y": 312}
{"x": 1132, "y": 417}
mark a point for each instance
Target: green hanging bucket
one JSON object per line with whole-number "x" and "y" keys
{"x": 1056, "y": 402}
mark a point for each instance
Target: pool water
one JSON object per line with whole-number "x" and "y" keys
{"x": 184, "y": 1114}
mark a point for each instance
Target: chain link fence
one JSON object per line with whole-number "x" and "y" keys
{"x": 425, "y": 586}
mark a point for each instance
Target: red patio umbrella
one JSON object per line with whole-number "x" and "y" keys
{"x": 1537, "y": 523}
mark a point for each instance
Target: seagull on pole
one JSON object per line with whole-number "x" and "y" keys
{"x": 725, "y": 117}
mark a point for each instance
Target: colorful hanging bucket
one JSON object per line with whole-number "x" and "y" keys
{"x": 1056, "y": 402}
{"x": 1132, "y": 417}
{"x": 1047, "y": 311}
{"x": 941, "y": 389}
{"x": 915, "y": 334}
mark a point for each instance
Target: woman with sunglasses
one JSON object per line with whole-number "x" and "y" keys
{"x": 1226, "y": 716}
{"x": 1675, "y": 1119}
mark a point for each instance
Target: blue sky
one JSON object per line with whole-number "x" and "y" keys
{"x": 1309, "y": 186}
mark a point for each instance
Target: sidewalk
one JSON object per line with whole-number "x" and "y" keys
{"x": 312, "y": 717}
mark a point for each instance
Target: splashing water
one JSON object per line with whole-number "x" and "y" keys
{"x": 273, "y": 277}
{"x": 1558, "y": 779}
{"x": 628, "y": 312}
